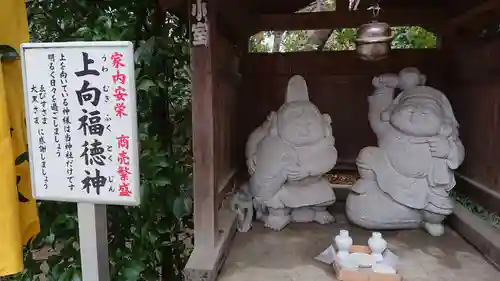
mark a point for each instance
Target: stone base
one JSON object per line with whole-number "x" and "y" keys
{"x": 477, "y": 232}
{"x": 265, "y": 255}
{"x": 203, "y": 264}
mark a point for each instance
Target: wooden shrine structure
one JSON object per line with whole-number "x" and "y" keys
{"x": 233, "y": 90}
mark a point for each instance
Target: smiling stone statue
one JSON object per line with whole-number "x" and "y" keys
{"x": 405, "y": 181}
{"x": 286, "y": 158}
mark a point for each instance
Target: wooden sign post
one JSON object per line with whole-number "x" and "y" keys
{"x": 80, "y": 102}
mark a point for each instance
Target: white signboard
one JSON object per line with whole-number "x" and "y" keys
{"x": 82, "y": 124}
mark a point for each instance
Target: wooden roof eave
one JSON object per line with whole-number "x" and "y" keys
{"x": 242, "y": 18}
{"x": 251, "y": 7}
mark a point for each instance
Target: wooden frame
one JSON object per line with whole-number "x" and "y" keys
{"x": 473, "y": 13}
{"x": 214, "y": 226}
{"x": 479, "y": 193}
{"x": 238, "y": 33}
{"x": 338, "y": 62}
{"x": 348, "y": 19}
{"x": 216, "y": 172}
{"x": 202, "y": 90}
{"x": 477, "y": 232}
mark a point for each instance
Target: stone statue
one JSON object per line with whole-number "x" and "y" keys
{"x": 286, "y": 158}
{"x": 405, "y": 181}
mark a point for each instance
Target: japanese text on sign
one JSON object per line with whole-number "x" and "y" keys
{"x": 81, "y": 116}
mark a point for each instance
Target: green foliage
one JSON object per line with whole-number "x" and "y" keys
{"x": 258, "y": 42}
{"x": 406, "y": 37}
{"x": 413, "y": 37}
{"x": 293, "y": 41}
{"x": 147, "y": 242}
{"x": 476, "y": 209}
{"x": 341, "y": 39}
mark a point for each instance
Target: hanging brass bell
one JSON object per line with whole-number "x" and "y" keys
{"x": 373, "y": 41}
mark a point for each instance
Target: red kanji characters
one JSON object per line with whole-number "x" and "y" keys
{"x": 120, "y": 110}
{"x": 120, "y": 93}
{"x": 124, "y": 189}
{"x": 119, "y": 77}
{"x": 124, "y": 172}
{"x": 123, "y": 141}
{"x": 123, "y": 158}
{"x": 116, "y": 59}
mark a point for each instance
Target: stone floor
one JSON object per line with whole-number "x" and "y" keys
{"x": 288, "y": 255}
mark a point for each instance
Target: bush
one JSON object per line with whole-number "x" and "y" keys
{"x": 151, "y": 241}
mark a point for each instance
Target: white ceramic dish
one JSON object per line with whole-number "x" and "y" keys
{"x": 363, "y": 259}
{"x": 383, "y": 268}
{"x": 349, "y": 263}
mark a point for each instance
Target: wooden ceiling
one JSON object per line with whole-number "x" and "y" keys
{"x": 289, "y": 6}
{"x": 241, "y": 18}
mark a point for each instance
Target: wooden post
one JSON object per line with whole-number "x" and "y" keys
{"x": 342, "y": 5}
{"x": 202, "y": 23}
{"x": 93, "y": 232}
{"x": 213, "y": 228}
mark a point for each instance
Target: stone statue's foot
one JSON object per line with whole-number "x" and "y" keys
{"x": 434, "y": 229}
{"x": 323, "y": 217}
{"x": 277, "y": 222}
{"x": 304, "y": 214}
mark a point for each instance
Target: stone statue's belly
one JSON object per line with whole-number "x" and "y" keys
{"x": 311, "y": 158}
{"x": 409, "y": 159}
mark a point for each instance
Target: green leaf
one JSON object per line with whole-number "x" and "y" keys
{"x": 162, "y": 85}
{"x": 66, "y": 275}
{"x": 164, "y": 226}
{"x": 162, "y": 181}
{"x": 26, "y": 277}
{"x": 56, "y": 271}
{"x": 145, "y": 84}
{"x": 182, "y": 206}
{"x": 132, "y": 271}
{"x": 160, "y": 161}
{"x": 77, "y": 275}
{"x": 188, "y": 205}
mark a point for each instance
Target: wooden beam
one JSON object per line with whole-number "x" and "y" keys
{"x": 337, "y": 63}
{"x": 478, "y": 232}
{"x": 478, "y": 193}
{"x": 202, "y": 90}
{"x": 276, "y": 6}
{"x": 233, "y": 17}
{"x": 205, "y": 265}
{"x": 172, "y": 4}
{"x": 473, "y": 13}
{"x": 348, "y": 19}
{"x": 342, "y": 5}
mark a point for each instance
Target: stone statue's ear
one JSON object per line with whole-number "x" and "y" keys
{"x": 327, "y": 125}
{"x": 423, "y": 79}
{"x": 271, "y": 115}
{"x": 385, "y": 115}
{"x": 327, "y": 118}
{"x": 376, "y": 82}
{"x": 273, "y": 120}
{"x": 446, "y": 129}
